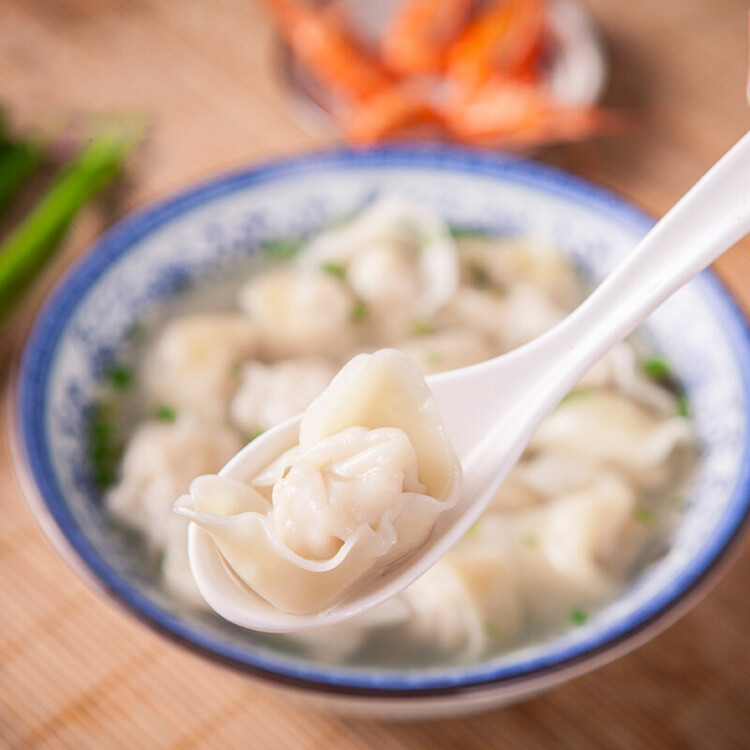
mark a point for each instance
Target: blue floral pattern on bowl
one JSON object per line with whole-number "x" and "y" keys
{"x": 154, "y": 254}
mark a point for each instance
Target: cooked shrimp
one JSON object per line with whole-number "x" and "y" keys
{"x": 513, "y": 112}
{"x": 387, "y": 112}
{"x": 505, "y": 37}
{"x": 416, "y": 38}
{"x": 320, "y": 41}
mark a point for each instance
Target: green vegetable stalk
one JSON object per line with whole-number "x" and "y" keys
{"x": 17, "y": 162}
{"x": 27, "y": 249}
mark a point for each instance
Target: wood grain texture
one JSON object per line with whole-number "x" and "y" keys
{"x": 76, "y": 672}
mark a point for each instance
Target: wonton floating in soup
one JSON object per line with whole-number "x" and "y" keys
{"x": 588, "y": 506}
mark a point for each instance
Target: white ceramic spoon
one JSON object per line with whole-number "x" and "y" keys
{"x": 492, "y": 409}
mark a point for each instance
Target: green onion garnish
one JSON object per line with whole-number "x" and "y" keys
{"x": 491, "y": 630}
{"x": 576, "y": 395}
{"x": 120, "y": 377}
{"x": 282, "y": 249}
{"x": 657, "y": 368}
{"x": 28, "y": 248}
{"x": 166, "y": 413}
{"x": 682, "y": 405}
{"x": 644, "y": 515}
{"x": 334, "y": 269}
{"x": 472, "y": 528}
{"x": 359, "y": 311}
{"x": 422, "y": 327}
{"x": 578, "y": 616}
{"x": 104, "y": 446}
{"x": 458, "y": 231}
{"x": 135, "y": 331}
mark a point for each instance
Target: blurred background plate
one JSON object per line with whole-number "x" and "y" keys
{"x": 576, "y": 67}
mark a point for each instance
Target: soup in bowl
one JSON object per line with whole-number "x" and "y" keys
{"x": 198, "y": 324}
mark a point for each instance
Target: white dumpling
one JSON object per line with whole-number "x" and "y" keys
{"x": 468, "y": 601}
{"x": 585, "y": 533}
{"x": 271, "y": 393}
{"x": 479, "y": 311}
{"x": 443, "y": 613}
{"x": 527, "y": 314}
{"x": 300, "y": 313}
{"x": 611, "y": 428}
{"x": 385, "y": 277}
{"x": 513, "y": 495}
{"x": 552, "y": 473}
{"x": 372, "y": 472}
{"x": 395, "y": 251}
{"x": 337, "y": 642}
{"x": 505, "y": 263}
{"x": 509, "y": 319}
{"x": 447, "y": 350}
{"x": 193, "y": 363}
{"x": 487, "y": 566}
{"x": 573, "y": 553}
{"x": 569, "y": 552}
{"x": 160, "y": 462}
{"x": 332, "y": 643}
{"x": 340, "y": 483}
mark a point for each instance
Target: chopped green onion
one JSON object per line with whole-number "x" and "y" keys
{"x": 657, "y": 368}
{"x": 282, "y": 249}
{"x": 459, "y": 231}
{"x": 255, "y": 434}
{"x": 334, "y": 269}
{"x": 578, "y": 616}
{"x": 135, "y": 331}
{"x": 682, "y": 405}
{"x": 491, "y": 630}
{"x": 359, "y": 311}
{"x": 644, "y": 515}
{"x": 422, "y": 327}
{"x": 472, "y": 528}
{"x": 103, "y": 444}
{"x": 433, "y": 358}
{"x": 120, "y": 377}
{"x": 530, "y": 541}
{"x": 166, "y": 413}
{"x": 575, "y": 395}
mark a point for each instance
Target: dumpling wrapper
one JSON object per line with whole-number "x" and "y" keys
{"x": 269, "y": 394}
{"x": 298, "y": 313}
{"x": 377, "y": 397}
{"x": 191, "y": 365}
{"x": 610, "y": 428}
{"x": 416, "y": 233}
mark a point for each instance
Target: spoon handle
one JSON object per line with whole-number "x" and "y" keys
{"x": 711, "y": 217}
{"x": 526, "y": 384}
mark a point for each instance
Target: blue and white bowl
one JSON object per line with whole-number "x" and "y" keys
{"x": 155, "y": 253}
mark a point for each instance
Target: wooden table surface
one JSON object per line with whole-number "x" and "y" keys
{"x": 77, "y": 672}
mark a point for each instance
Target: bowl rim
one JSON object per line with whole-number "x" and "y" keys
{"x": 44, "y": 496}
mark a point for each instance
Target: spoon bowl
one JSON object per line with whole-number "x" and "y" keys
{"x": 491, "y": 410}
